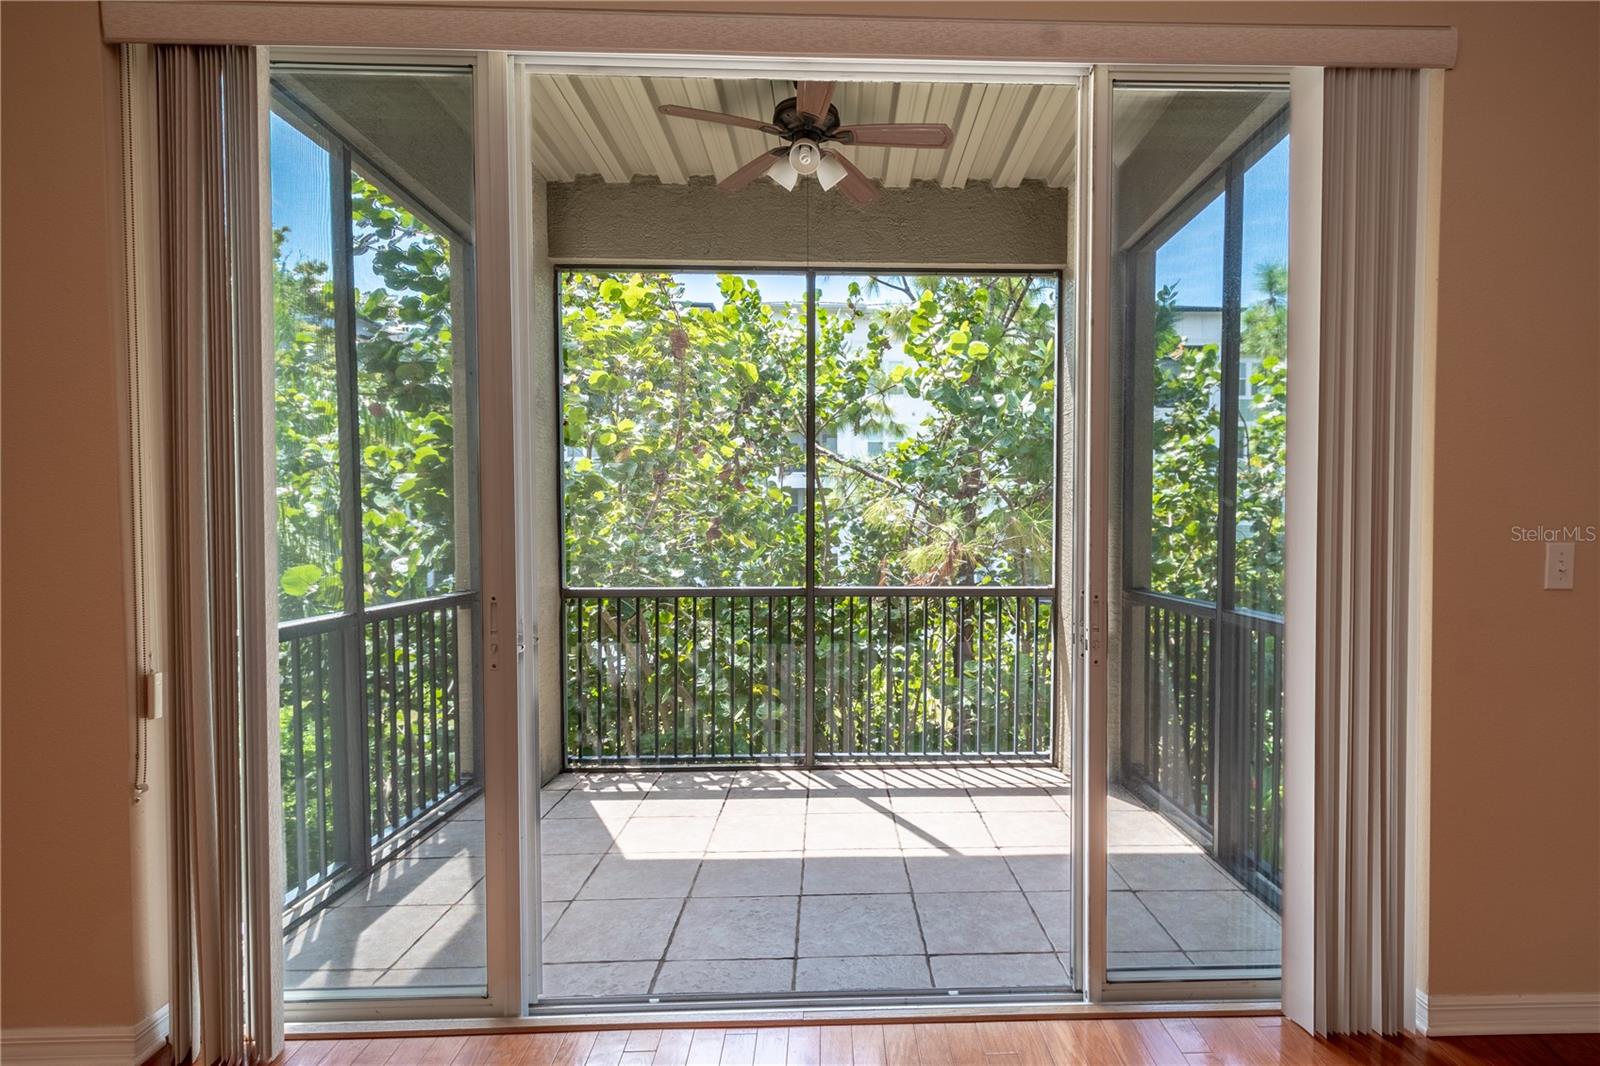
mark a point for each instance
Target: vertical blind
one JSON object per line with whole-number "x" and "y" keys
{"x": 1369, "y": 232}
{"x": 224, "y": 942}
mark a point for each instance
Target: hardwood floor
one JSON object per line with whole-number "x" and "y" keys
{"x": 1100, "y": 1042}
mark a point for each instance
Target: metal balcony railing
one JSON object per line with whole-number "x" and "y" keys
{"x": 1202, "y": 728}
{"x": 378, "y": 729}
{"x": 669, "y": 676}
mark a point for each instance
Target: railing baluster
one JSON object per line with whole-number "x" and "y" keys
{"x": 1016, "y": 670}
{"x": 864, "y": 737}
{"x": 297, "y": 723}
{"x": 715, "y": 654}
{"x": 980, "y": 659}
{"x": 636, "y": 710}
{"x": 1033, "y": 682}
{"x": 377, "y": 734}
{"x": 392, "y": 722}
{"x": 446, "y": 695}
{"x": 1193, "y": 715}
{"x": 439, "y": 679}
{"x": 435, "y": 785}
{"x": 425, "y": 786}
{"x": 324, "y": 828}
{"x": 574, "y": 683}
{"x": 397, "y": 708}
{"x": 943, "y": 647}
{"x": 925, "y": 698}
{"x": 677, "y": 664}
{"x": 1176, "y": 696}
{"x": 999, "y": 676}
{"x": 413, "y": 741}
{"x": 430, "y": 792}
{"x": 616, "y": 667}
{"x": 431, "y": 654}
{"x": 767, "y": 703}
{"x": 888, "y": 673}
{"x": 750, "y": 674}
{"x": 452, "y": 656}
{"x": 847, "y": 720}
{"x": 655, "y": 677}
{"x": 802, "y": 718}
{"x": 372, "y": 716}
{"x": 694, "y": 677}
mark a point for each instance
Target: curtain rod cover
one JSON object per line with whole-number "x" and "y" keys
{"x": 546, "y": 29}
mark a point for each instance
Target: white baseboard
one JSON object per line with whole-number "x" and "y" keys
{"x": 1447, "y": 1015}
{"x": 88, "y": 1045}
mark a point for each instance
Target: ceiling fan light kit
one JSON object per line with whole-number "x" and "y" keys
{"x": 808, "y": 121}
{"x": 804, "y": 156}
{"x": 830, "y": 171}
{"x": 784, "y": 173}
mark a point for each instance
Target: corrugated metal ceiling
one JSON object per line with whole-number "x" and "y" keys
{"x": 608, "y": 126}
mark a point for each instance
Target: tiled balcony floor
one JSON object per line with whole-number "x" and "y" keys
{"x": 417, "y": 922}
{"x": 759, "y": 880}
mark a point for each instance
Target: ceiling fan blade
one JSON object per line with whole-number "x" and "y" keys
{"x": 855, "y": 186}
{"x": 896, "y": 135}
{"x": 750, "y": 171}
{"x": 678, "y": 111}
{"x": 812, "y": 98}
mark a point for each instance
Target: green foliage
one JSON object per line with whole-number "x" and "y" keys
{"x": 406, "y": 377}
{"x": 1185, "y": 455}
{"x": 684, "y": 431}
{"x": 965, "y": 494}
{"x": 406, "y": 380}
{"x": 311, "y": 578}
{"x": 681, "y": 427}
{"x": 1263, "y": 451}
{"x": 1185, "y": 474}
{"x": 684, "y": 464}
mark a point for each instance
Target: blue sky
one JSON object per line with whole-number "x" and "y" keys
{"x": 300, "y": 194}
{"x": 302, "y": 201}
{"x": 1191, "y": 260}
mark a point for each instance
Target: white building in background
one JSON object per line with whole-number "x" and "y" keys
{"x": 905, "y": 412}
{"x": 1199, "y": 326}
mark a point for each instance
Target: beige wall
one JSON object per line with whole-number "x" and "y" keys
{"x": 1515, "y": 862}
{"x": 82, "y": 937}
{"x": 1515, "y": 853}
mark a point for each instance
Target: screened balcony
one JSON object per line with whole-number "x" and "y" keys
{"x": 806, "y": 681}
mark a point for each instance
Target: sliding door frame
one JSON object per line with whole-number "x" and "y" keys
{"x": 512, "y": 519}
{"x": 497, "y": 594}
{"x": 535, "y": 447}
{"x": 1102, "y": 525}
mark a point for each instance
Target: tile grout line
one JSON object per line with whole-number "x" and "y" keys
{"x": 800, "y": 899}
{"x": 916, "y": 912}
{"x": 683, "y": 905}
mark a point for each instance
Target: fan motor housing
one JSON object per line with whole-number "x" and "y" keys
{"x": 796, "y": 126}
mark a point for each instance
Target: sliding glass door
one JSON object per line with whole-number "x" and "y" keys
{"x": 381, "y": 721}
{"x": 1195, "y": 824}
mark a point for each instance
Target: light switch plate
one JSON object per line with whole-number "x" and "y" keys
{"x": 1557, "y": 565}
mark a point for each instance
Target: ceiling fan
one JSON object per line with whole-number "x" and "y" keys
{"x": 810, "y": 124}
